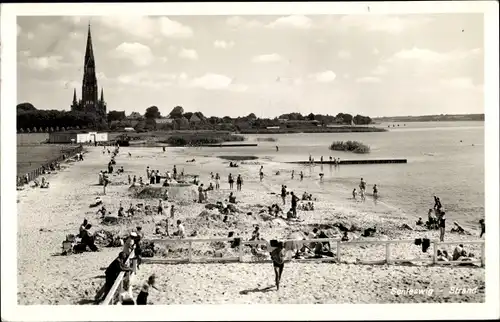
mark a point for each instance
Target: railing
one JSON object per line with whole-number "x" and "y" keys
{"x": 339, "y": 245}
{"x": 32, "y": 175}
{"x": 117, "y": 288}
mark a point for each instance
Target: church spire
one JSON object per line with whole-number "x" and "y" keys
{"x": 102, "y": 95}
{"x": 89, "y": 52}
{"x": 74, "y": 96}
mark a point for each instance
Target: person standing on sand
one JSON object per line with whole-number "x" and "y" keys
{"x": 375, "y": 191}
{"x": 142, "y": 298}
{"x": 294, "y": 204}
{"x": 231, "y": 181}
{"x": 148, "y": 173}
{"x": 174, "y": 170}
{"x": 293, "y": 173}
{"x": 483, "y": 227}
{"x": 277, "y": 148}
{"x": 217, "y": 181}
{"x": 261, "y": 175}
{"x": 442, "y": 225}
{"x": 114, "y": 269}
{"x": 301, "y": 175}
{"x": 160, "y": 207}
{"x": 283, "y": 193}
{"x": 138, "y": 249}
{"x": 278, "y": 258}
{"x": 354, "y": 194}
{"x": 129, "y": 180}
{"x": 239, "y": 182}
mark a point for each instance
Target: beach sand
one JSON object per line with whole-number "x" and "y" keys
{"x": 45, "y": 217}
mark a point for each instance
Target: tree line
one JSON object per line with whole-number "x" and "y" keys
{"x": 30, "y": 119}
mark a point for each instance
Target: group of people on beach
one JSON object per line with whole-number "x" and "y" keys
{"x": 362, "y": 191}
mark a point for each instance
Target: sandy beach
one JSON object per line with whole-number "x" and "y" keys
{"x": 46, "y": 216}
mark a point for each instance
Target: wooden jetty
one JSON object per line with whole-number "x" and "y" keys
{"x": 379, "y": 161}
{"x": 230, "y": 145}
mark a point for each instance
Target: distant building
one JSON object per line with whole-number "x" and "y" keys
{"x": 164, "y": 121}
{"x": 78, "y": 137}
{"x": 89, "y": 102}
{"x": 273, "y": 127}
{"x": 194, "y": 119}
{"x": 129, "y": 129}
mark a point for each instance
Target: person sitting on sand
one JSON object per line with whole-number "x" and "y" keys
{"x": 140, "y": 181}
{"x": 255, "y": 234}
{"x": 45, "y": 184}
{"x": 345, "y": 237}
{"x": 483, "y": 227}
{"x": 120, "y": 170}
{"x": 114, "y": 269}
{"x": 278, "y": 258}
{"x": 82, "y": 228}
{"x": 181, "y": 231}
{"x": 196, "y": 180}
{"x": 419, "y": 221}
{"x": 88, "y": 238}
{"x": 103, "y": 212}
{"x": 458, "y": 252}
{"x": 121, "y": 211}
{"x": 131, "y": 210}
{"x": 210, "y": 187}
{"x": 232, "y": 198}
{"x": 142, "y": 298}
{"x": 440, "y": 257}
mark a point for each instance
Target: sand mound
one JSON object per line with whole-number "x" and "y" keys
{"x": 177, "y": 192}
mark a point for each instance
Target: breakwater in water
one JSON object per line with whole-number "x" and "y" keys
{"x": 380, "y": 161}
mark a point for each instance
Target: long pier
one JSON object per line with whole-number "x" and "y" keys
{"x": 379, "y": 161}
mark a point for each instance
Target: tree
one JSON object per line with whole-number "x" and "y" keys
{"x": 310, "y": 117}
{"x": 28, "y": 131}
{"x": 25, "y": 107}
{"x": 116, "y": 116}
{"x": 152, "y": 112}
{"x": 150, "y": 124}
{"x": 135, "y": 115}
{"x": 187, "y": 115}
{"x": 177, "y": 112}
{"x": 21, "y": 130}
{"x": 251, "y": 116}
{"x": 34, "y": 129}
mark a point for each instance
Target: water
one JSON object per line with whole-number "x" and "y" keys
{"x": 438, "y": 164}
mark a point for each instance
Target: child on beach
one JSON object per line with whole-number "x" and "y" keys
{"x": 354, "y": 193}
{"x": 278, "y": 257}
{"x": 217, "y": 181}
{"x": 142, "y": 298}
{"x": 239, "y": 182}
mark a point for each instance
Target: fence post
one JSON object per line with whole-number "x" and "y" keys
{"x": 388, "y": 253}
{"x": 435, "y": 252}
{"x": 190, "y": 254}
{"x": 240, "y": 250}
{"x": 338, "y": 251}
{"x": 483, "y": 253}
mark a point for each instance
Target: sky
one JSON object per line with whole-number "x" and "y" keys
{"x": 383, "y": 65}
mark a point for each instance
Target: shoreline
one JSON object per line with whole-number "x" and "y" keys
{"x": 61, "y": 209}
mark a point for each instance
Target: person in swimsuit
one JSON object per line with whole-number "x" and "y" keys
{"x": 239, "y": 182}
{"x": 160, "y": 208}
{"x": 442, "y": 225}
{"x": 375, "y": 191}
{"x": 217, "y": 181}
{"x": 142, "y": 298}
{"x": 301, "y": 175}
{"x": 261, "y": 175}
{"x": 354, "y": 194}
{"x": 231, "y": 181}
{"x": 483, "y": 227}
{"x": 278, "y": 257}
{"x": 283, "y": 193}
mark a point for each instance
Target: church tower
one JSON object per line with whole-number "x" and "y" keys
{"x": 90, "y": 102}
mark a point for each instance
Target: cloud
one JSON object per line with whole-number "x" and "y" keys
{"x": 216, "y": 82}
{"x": 138, "y": 53}
{"x": 188, "y": 54}
{"x": 239, "y": 22}
{"x": 375, "y": 51}
{"x": 173, "y": 29}
{"x": 324, "y": 77}
{"x": 344, "y": 54}
{"x": 379, "y": 70}
{"x": 459, "y": 83}
{"x": 147, "y": 27}
{"x": 426, "y": 55}
{"x": 295, "y": 21}
{"x": 382, "y": 23}
{"x": 147, "y": 79}
{"x": 76, "y": 20}
{"x": 45, "y": 63}
{"x": 267, "y": 58}
{"x": 368, "y": 79}
{"x": 223, "y": 44}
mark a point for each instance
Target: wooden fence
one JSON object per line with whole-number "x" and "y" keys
{"x": 32, "y": 175}
{"x": 338, "y": 257}
{"x": 117, "y": 288}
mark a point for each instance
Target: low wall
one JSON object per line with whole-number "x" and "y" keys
{"x": 31, "y": 138}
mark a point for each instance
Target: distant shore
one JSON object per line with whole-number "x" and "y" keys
{"x": 339, "y": 129}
